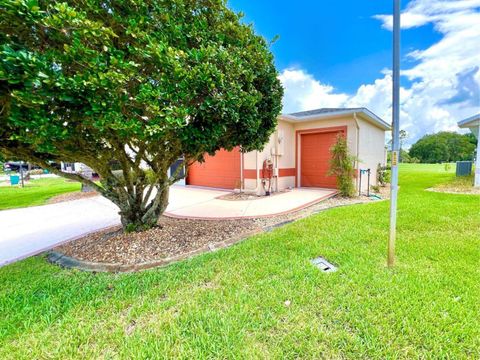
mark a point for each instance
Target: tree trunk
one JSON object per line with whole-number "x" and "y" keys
{"x": 140, "y": 214}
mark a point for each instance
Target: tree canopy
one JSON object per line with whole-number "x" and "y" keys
{"x": 138, "y": 83}
{"x": 443, "y": 147}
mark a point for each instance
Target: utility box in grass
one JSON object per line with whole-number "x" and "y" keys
{"x": 464, "y": 168}
{"x": 14, "y": 179}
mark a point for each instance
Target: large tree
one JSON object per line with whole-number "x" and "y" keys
{"x": 443, "y": 147}
{"x": 136, "y": 83}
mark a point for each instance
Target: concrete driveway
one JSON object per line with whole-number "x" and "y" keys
{"x": 28, "y": 231}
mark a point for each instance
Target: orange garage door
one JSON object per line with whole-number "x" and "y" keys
{"x": 315, "y": 158}
{"x": 219, "y": 171}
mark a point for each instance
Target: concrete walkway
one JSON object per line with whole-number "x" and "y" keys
{"x": 213, "y": 208}
{"x": 28, "y": 231}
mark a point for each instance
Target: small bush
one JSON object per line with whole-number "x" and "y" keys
{"x": 342, "y": 166}
{"x": 383, "y": 175}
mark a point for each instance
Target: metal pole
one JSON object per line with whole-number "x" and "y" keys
{"x": 360, "y": 184}
{"x": 395, "y": 132}
{"x": 368, "y": 187}
{"x": 21, "y": 174}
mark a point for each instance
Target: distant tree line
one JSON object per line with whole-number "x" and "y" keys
{"x": 442, "y": 147}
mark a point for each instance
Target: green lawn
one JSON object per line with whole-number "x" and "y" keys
{"x": 231, "y": 304}
{"x": 35, "y": 192}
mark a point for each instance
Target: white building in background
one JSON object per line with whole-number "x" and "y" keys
{"x": 76, "y": 167}
{"x": 473, "y": 123}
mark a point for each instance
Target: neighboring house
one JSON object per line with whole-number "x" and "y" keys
{"x": 80, "y": 168}
{"x": 299, "y": 150}
{"x": 76, "y": 167}
{"x": 473, "y": 123}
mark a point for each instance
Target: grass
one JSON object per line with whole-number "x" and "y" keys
{"x": 231, "y": 304}
{"x": 35, "y": 192}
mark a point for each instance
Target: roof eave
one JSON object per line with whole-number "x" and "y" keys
{"x": 470, "y": 122}
{"x": 377, "y": 120}
{"x": 367, "y": 113}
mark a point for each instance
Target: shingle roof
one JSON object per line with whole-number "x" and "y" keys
{"x": 326, "y": 112}
{"x": 322, "y": 111}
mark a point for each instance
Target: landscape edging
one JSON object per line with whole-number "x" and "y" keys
{"x": 65, "y": 261}
{"x": 68, "y": 262}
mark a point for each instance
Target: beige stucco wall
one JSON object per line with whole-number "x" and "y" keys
{"x": 283, "y": 160}
{"x": 371, "y": 150}
{"x": 365, "y": 140}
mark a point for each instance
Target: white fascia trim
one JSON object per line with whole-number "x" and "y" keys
{"x": 367, "y": 113}
{"x": 377, "y": 120}
{"x": 470, "y": 122}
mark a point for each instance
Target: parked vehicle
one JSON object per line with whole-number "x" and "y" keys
{"x": 16, "y": 166}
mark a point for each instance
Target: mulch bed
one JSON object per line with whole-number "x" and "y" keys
{"x": 77, "y": 195}
{"x": 176, "y": 237}
{"x": 247, "y": 196}
{"x": 173, "y": 237}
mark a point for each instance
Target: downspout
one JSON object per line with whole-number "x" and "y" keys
{"x": 358, "y": 147}
{"x": 276, "y": 169}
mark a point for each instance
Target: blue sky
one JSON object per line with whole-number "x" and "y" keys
{"x": 339, "y": 42}
{"x": 340, "y": 51}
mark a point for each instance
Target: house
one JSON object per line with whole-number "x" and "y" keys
{"x": 299, "y": 152}
{"x": 473, "y": 123}
{"x": 79, "y": 168}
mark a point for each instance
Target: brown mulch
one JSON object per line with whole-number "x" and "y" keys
{"x": 176, "y": 237}
{"x": 77, "y": 195}
{"x": 246, "y": 196}
{"x": 172, "y": 237}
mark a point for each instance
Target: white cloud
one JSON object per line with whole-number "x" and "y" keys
{"x": 408, "y": 20}
{"x": 421, "y": 12}
{"x": 445, "y": 81}
{"x": 303, "y": 91}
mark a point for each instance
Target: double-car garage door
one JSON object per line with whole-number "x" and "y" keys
{"x": 219, "y": 171}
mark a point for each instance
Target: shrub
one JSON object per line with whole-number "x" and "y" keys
{"x": 131, "y": 85}
{"x": 383, "y": 175}
{"x": 342, "y": 166}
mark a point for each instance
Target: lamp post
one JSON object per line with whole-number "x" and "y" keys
{"x": 395, "y": 132}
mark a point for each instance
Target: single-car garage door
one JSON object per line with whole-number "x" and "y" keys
{"x": 315, "y": 158}
{"x": 219, "y": 171}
